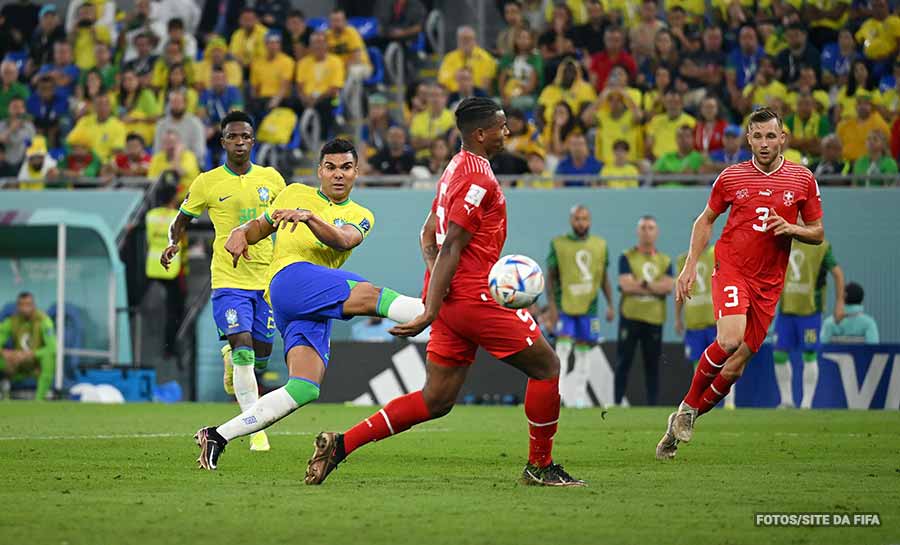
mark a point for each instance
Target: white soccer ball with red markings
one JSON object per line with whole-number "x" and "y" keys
{"x": 516, "y": 281}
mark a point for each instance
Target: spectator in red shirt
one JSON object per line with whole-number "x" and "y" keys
{"x": 710, "y": 128}
{"x": 134, "y": 161}
{"x": 613, "y": 54}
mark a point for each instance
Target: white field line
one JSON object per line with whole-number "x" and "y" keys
{"x": 104, "y": 437}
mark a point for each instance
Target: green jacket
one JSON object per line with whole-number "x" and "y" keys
{"x": 37, "y": 335}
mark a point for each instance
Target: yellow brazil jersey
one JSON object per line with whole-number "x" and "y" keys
{"x": 302, "y": 245}
{"x": 232, "y": 200}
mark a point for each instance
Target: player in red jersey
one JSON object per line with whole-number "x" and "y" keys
{"x": 461, "y": 240}
{"x": 766, "y": 196}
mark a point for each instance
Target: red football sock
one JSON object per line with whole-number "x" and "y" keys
{"x": 715, "y": 393}
{"x": 542, "y": 412}
{"x": 711, "y": 362}
{"x": 399, "y": 415}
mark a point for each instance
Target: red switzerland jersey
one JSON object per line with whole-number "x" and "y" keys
{"x": 746, "y": 245}
{"x": 468, "y": 195}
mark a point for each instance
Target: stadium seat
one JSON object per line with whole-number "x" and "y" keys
{"x": 377, "y": 59}
{"x": 74, "y": 337}
{"x": 318, "y": 24}
{"x": 366, "y": 26}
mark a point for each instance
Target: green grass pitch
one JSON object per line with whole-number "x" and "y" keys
{"x": 82, "y": 474}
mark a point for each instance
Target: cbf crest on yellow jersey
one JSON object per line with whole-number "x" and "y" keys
{"x": 302, "y": 244}
{"x": 233, "y": 199}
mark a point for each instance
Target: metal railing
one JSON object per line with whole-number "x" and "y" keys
{"x": 309, "y": 126}
{"x": 436, "y": 32}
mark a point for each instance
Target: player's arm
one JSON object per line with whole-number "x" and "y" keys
{"x": 700, "y": 235}
{"x": 428, "y": 240}
{"x": 243, "y": 236}
{"x": 551, "y": 280}
{"x": 444, "y": 268}
{"x": 679, "y": 319}
{"x": 663, "y": 286}
{"x": 343, "y": 238}
{"x": 176, "y": 233}
{"x": 838, "y": 273}
{"x": 812, "y": 232}
{"x": 607, "y": 291}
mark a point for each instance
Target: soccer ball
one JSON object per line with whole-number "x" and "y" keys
{"x": 516, "y": 281}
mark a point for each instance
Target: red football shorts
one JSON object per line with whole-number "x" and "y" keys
{"x": 465, "y": 324}
{"x": 733, "y": 293}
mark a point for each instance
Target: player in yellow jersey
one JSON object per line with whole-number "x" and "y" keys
{"x": 235, "y": 193}
{"x": 307, "y": 290}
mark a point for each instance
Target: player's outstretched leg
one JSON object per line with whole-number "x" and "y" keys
{"x": 306, "y": 369}
{"x": 434, "y": 400}
{"x": 366, "y": 299}
{"x": 540, "y": 363}
{"x": 730, "y": 335}
{"x": 243, "y": 356}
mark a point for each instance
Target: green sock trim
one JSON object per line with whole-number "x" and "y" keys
{"x": 242, "y": 356}
{"x": 780, "y": 357}
{"x": 301, "y": 390}
{"x": 385, "y": 300}
{"x": 809, "y": 357}
{"x": 262, "y": 363}
{"x": 583, "y": 347}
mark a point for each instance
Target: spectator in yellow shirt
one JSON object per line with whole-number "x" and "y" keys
{"x": 345, "y": 42}
{"x": 174, "y": 158}
{"x": 173, "y": 54}
{"x": 568, "y": 86}
{"x": 467, "y": 53}
{"x": 765, "y": 89}
{"x": 86, "y": 35}
{"x": 248, "y": 41}
{"x": 879, "y": 33}
{"x": 435, "y": 122}
{"x": 270, "y": 77}
{"x": 616, "y": 115}
{"x": 107, "y": 132}
{"x": 319, "y": 78}
{"x": 620, "y": 166}
{"x": 216, "y": 54}
{"x": 853, "y": 130}
{"x": 660, "y": 133}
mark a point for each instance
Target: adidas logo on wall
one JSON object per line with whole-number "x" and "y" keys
{"x": 406, "y": 375}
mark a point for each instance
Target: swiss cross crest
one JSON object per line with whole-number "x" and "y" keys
{"x": 741, "y": 194}
{"x": 788, "y": 198}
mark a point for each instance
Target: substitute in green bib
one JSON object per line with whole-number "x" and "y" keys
{"x": 157, "y": 223}
{"x": 33, "y": 350}
{"x": 799, "y": 316}
{"x": 645, "y": 280}
{"x": 695, "y": 318}
{"x": 576, "y": 272}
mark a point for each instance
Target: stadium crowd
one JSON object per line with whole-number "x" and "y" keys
{"x": 612, "y": 88}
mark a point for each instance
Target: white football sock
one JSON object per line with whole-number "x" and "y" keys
{"x": 810, "y": 381}
{"x": 729, "y": 399}
{"x": 784, "y": 375}
{"x": 267, "y": 410}
{"x": 563, "y": 349}
{"x": 403, "y": 309}
{"x": 245, "y": 389}
{"x": 581, "y": 372}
